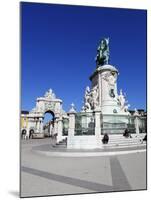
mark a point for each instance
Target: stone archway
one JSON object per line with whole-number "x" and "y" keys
{"x": 48, "y": 104}
{"x": 23, "y": 133}
{"x": 31, "y": 132}
{"x": 48, "y": 123}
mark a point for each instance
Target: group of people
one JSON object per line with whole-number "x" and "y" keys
{"x": 126, "y": 134}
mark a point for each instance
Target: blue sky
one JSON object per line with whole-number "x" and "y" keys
{"x": 58, "y": 47}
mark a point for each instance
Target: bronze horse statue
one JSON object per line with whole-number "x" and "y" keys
{"x": 102, "y": 57}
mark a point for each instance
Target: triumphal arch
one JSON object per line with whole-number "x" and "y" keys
{"x": 34, "y": 121}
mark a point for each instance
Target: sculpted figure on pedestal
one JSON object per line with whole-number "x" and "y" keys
{"x": 102, "y": 56}
{"x": 90, "y": 99}
{"x": 87, "y": 99}
{"x": 121, "y": 99}
{"x": 95, "y": 96}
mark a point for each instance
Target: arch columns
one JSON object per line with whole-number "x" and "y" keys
{"x": 47, "y": 103}
{"x": 59, "y": 131}
{"x": 41, "y": 125}
{"x": 137, "y": 125}
{"x": 71, "y": 130}
{"x": 98, "y": 127}
{"x": 136, "y": 115}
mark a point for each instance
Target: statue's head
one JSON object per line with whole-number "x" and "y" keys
{"x": 104, "y": 43}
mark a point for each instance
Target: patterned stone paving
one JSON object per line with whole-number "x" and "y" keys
{"x": 43, "y": 175}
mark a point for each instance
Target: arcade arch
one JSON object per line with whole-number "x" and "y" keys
{"x": 48, "y": 123}
{"x": 50, "y": 106}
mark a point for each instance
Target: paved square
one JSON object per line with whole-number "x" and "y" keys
{"x": 46, "y": 175}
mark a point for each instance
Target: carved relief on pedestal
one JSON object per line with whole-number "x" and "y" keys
{"x": 110, "y": 78}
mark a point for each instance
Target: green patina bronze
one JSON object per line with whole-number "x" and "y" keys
{"x": 102, "y": 57}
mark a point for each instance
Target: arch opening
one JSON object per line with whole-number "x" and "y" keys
{"x": 48, "y": 123}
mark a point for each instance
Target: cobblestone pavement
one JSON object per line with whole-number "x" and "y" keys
{"x": 45, "y": 175}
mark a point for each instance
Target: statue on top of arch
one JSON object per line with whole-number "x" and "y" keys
{"x": 102, "y": 57}
{"x": 50, "y": 94}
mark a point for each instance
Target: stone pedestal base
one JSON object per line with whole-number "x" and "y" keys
{"x": 83, "y": 142}
{"x": 114, "y": 124}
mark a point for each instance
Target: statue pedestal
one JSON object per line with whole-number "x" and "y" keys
{"x": 105, "y": 77}
{"x": 84, "y": 142}
{"x": 114, "y": 118}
